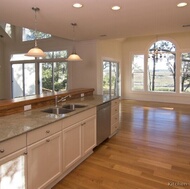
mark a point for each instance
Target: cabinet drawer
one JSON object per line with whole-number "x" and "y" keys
{"x": 115, "y": 102}
{"x": 114, "y": 110}
{"x": 78, "y": 117}
{"x": 114, "y": 127}
{"x": 43, "y": 132}
{"x": 114, "y": 119}
{"x": 9, "y": 146}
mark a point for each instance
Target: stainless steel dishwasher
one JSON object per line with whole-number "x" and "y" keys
{"x": 103, "y": 122}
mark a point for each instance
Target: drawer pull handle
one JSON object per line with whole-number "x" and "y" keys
{"x": 2, "y": 151}
{"x": 48, "y": 131}
{"x": 48, "y": 140}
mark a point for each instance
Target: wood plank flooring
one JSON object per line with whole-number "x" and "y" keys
{"x": 150, "y": 151}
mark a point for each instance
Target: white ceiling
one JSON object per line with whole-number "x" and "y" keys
{"x": 135, "y": 18}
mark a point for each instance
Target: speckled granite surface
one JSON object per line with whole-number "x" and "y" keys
{"x": 17, "y": 124}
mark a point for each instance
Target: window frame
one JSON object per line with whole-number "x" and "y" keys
{"x": 110, "y": 62}
{"x": 144, "y": 72}
{"x": 146, "y": 54}
{"x": 37, "y": 62}
{"x": 180, "y": 71}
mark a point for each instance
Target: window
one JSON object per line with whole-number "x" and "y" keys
{"x": 23, "y": 79}
{"x": 138, "y": 73}
{"x": 29, "y": 35}
{"x": 185, "y": 72}
{"x": 7, "y": 28}
{"x": 53, "y": 76}
{"x": 110, "y": 78}
{"x": 160, "y": 73}
{"x": 161, "y": 67}
{"x": 32, "y": 76}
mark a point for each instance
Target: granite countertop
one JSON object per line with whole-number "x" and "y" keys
{"x": 20, "y": 123}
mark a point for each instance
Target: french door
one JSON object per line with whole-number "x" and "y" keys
{"x": 111, "y": 78}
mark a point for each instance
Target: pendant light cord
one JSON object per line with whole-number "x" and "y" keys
{"x": 35, "y": 9}
{"x": 74, "y": 25}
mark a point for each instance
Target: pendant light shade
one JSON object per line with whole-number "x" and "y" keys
{"x": 36, "y": 51}
{"x": 74, "y": 57}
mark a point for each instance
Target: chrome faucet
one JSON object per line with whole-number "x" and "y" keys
{"x": 61, "y": 100}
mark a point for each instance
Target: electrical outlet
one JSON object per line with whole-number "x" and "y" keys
{"x": 82, "y": 95}
{"x": 27, "y": 107}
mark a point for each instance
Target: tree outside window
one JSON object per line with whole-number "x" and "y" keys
{"x": 138, "y": 73}
{"x": 162, "y": 67}
{"x": 110, "y": 78}
{"x": 29, "y": 34}
{"x": 53, "y": 76}
{"x": 185, "y": 72}
{"x": 39, "y": 76}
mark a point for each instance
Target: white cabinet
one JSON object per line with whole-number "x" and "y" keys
{"x": 44, "y": 155}
{"x": 13, "y": 163}
{"x": 52, "y": 151}
{"x": 114, "y": 116}
{"x": 71, "y": 145}
{"x": 79, "y": 137}
{"x": 88, "y": 134}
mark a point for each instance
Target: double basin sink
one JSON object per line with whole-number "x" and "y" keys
{"x": 64, "y": 109}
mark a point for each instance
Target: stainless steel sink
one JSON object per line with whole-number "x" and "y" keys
{"x": 73, "y": 106}
{"x": 58, "y": 110}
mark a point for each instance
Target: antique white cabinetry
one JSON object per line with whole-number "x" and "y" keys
{"x": 13, "y": 163}
{"x": 44, "y": 155}
{"x": 71, "y": 145}
{"x": 114, "y": 116}
{"x": 88, "y": 134}
{"x": 79, "y": 137}
{"x": 41, "y": 157}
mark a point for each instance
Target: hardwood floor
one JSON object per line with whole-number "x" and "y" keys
{"x": 151, "y": 151}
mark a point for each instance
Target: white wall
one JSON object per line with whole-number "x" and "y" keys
{"x": 107, "y": 50}
{"x": 89, "y": 72}
{"x": 83, "y": 74}
{"x": 141, "y": 45}
{"x": 1, "y": 70}
{"x": 16, "y": 46}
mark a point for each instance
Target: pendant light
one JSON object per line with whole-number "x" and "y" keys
{"x": 36, "y": 51}
{"x": 74, "y": 57}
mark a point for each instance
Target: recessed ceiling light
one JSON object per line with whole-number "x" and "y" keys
{"x": 186, "y": 25}
{"x": 182, "y": 4}
{"x": 77, "y": 5}
{"x": 103, "y": 35}
{"x": 116, "y": 7}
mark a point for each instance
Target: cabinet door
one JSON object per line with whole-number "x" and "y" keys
{"x": 88, "y": 134}
{"x": 13, "y": 171}
{"x": 44, "y": 161}
{"x": 71, "y": 145}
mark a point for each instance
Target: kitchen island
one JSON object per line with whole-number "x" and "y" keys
{"x": 48, "y": 146}
{"x": 19, "y": 123}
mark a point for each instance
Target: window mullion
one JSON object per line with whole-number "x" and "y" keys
{"x": 53, "y": 79}
{"x": 146, "y": 73}
{"x": 23, "y": 75}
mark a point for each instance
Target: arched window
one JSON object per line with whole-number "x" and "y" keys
{"x": 162, "y": 67}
